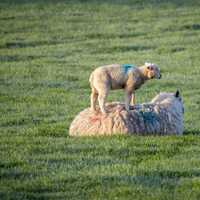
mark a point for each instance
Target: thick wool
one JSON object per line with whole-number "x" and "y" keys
{"x": 162, "y": 116}
{"x": 116, "y": 76}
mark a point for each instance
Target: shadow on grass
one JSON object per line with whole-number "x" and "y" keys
{"x": 9, "y": 164}
{"x": 164, "y": 50}
{"x": 191, "y": 132}
{"x": 135, "y": 3}
{"x": 170, "y": 173}
{"x": 111, "y": 184}
{"x": 113, "y": 35}
{"x": 16, "y": 17}
{"x": 17, "y": 174}
{"x": 194, "y": 27}
{"x": 20, "y": 44}
{"x": 116, "y": 49}
{"x": 148, "y": 180}
{"x": 18, "y": 58}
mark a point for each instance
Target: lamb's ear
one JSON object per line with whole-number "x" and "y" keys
{"x": 147, "y": 64}
{"x": 177, "y": 94}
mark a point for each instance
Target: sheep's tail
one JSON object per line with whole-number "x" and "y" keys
{"x": 91, "y": 78}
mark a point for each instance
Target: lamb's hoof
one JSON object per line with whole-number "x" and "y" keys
{"x": 104, "y": 114}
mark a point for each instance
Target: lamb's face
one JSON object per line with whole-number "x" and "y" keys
{"x": 152, "y": 71}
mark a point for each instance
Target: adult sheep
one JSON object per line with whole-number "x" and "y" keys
{"x": 162, "y": 116}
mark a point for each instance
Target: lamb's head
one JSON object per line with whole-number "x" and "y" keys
{"x": 152, "y": 71}
{"x": 170, "y": 101}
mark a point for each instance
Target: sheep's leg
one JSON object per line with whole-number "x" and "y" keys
{"x": 102, "y": 100}
{"x": 127, "y": 99}
{"x": 133, "y": 99}
{"x": 93, "y": 99}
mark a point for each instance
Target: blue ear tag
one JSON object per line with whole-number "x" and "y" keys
{"x": 126, "y": 67}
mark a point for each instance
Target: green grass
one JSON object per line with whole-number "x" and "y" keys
{"x": 47, "y": 51}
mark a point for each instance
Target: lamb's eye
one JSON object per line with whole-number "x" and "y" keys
{"x": 150, "y": 68}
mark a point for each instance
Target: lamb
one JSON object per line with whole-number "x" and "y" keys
{"x": 116, "y": 76}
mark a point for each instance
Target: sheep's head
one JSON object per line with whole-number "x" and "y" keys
{"x": 152, "y": 71}
{"x": 173, "y": 100}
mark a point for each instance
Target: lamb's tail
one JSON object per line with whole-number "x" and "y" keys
{"x": 91, "y": 78}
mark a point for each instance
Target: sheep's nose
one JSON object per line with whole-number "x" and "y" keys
{"x": 160, "y": 76}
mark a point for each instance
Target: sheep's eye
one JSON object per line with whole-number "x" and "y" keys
{"x": 150, "y": 68}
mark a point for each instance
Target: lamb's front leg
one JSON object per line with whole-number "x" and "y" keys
{"x": 102, "y": 99}
{"x": 127, "y": 99}
{"x": 133, "y": 99}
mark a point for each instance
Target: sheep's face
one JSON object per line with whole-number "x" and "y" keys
{"x": 152, "y": 71}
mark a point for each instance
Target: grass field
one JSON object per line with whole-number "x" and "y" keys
{"x": 47, "y": 51}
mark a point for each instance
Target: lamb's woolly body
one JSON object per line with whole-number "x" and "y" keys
{"x": 115, "y": 76}
{"x": 163, "y": 116}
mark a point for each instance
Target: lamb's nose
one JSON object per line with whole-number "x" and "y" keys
{"x": 160, "y": 76}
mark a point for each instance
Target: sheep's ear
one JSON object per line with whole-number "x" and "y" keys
{"x": 177, "y": 94}
{"x": 147, "y": 64}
